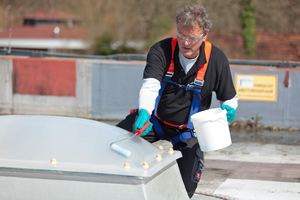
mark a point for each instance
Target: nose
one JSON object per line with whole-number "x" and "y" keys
{"x": 186, "y": 42}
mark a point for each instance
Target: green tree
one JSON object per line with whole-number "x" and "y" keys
{"x": 248, "y": 26}
{"x": 103, "y": 45}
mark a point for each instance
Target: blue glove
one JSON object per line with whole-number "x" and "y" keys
{"x": 142, "y": 119}
{"x": 230, "y": 112}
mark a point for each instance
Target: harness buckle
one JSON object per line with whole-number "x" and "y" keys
{"x": 193, "y": 85}
{"x": 199, "y": 83}
{"x": 169, "y": 74}
{"x": 180, "y": 86}
{"x": 181, "y": 126}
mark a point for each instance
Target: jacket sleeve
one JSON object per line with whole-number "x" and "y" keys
{"x": 148, "y": 93}
{"x": 231, "y": 102}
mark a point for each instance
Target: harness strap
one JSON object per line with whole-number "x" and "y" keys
{"x": 199, "y": 80}
{"x": 162, "y": 87}
{"x": 171, "y": 67}
{"x": 158, "y": 130}
{"x": 173, "y": 125}
{"x": 195, "y": 103}
{"x": 195, "y": 107}
{"x": 182, "y": 137}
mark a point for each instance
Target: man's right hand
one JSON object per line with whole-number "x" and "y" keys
{"x": 142, "y": 119}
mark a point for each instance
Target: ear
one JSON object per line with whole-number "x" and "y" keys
{"x": 205, "y": 36}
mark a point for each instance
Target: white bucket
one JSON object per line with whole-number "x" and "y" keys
{"x": 212, "y": 129}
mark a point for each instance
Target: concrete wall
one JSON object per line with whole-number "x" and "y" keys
{"x": 6, "y": 101}
{"x": 45, "y": 86}
{"x": 103, "y": 89}
{"x": 80, "y": 88}
{"x": 284, "y": 113}
{"x": 115, "y": 88}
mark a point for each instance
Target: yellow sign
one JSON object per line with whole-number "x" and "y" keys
{"x": 256, "y": 87}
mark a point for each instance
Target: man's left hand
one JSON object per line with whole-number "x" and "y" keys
{"x": 230, "y": 112}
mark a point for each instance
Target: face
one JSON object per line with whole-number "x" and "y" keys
{"x": 189, "y": 41}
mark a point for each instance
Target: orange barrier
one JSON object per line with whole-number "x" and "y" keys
{"x": 36, "y": 76}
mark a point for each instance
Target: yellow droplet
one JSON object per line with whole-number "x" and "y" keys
{"x": 127, "y": 165}
{"x": 158, "y": 157}
{"x": 170, "y": 151}
{"x": 145, "y": 165}
{"x": 160, "y": 147}
{"x": 53, "y": 161}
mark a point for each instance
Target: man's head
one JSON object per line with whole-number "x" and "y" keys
{"x": 193, "y": 26}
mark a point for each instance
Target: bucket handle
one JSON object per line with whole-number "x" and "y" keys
{"x": 219, "y": 115}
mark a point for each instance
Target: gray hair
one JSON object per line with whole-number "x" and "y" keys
{"x": 189, "y": 16}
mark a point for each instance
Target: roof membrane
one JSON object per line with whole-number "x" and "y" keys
{"x": 66, "y": 144}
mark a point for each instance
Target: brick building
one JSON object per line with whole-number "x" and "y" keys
{"x": 47, "y": 31}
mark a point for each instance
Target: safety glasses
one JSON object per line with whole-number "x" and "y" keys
{"x": 190, "y": 40}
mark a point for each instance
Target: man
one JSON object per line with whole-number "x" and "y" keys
{"x": 179, "y": 78}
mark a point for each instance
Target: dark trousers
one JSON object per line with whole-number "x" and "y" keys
{"x": 191, "y": 162}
